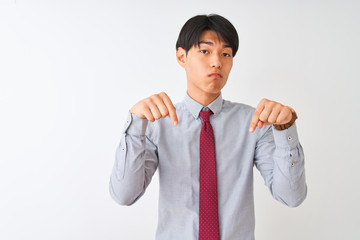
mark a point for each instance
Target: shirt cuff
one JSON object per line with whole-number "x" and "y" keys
{"x": 135, "y": 125}
{"x": 287, "y": 137}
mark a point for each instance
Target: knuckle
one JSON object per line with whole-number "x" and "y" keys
{"x": 165, "y": 113}
{"x": 155, "y": 96}
{"x": 143, "y": 106}
{"x": 288, "y": 119}
{"x": 148, "y": 100}
{"x": 161, "y": 94}
{"x": 143, "y": 109}
{"x": 278, "y": 107}
{"x": 271, "y": 104}
{"x": 288, "y": 109}
{"x": 280, "y": 120}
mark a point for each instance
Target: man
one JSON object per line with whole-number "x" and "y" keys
{"x": 205, "y": 147}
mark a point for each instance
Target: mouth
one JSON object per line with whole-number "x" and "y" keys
{"x": 215, "y": 75}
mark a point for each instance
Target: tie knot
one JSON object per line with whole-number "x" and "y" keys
{"x": 206, "y": 115}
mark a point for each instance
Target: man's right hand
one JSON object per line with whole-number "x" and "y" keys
{"x": 155, "y": 107}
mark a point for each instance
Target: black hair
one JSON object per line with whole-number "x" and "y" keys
{"x": 190, "y": 32}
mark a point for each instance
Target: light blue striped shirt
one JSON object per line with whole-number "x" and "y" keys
{"x": 174, "y": 150}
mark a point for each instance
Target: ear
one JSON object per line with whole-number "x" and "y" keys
{"x": 181, "y": 56}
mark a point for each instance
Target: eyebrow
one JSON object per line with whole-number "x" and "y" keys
{"x": 212, "y": 44}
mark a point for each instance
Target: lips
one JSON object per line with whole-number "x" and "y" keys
{"x": 215, "y": 75}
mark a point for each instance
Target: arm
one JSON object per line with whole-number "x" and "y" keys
{"x": 278, "y": 154}
{"x": 136, "y": 156}
{"x": 280, "y": 159}
{"x": 135, "y": 162}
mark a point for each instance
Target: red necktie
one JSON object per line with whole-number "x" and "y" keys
{"x": 208, "y": 204}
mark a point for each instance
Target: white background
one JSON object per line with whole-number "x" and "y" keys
{"x": 70, "y": 70}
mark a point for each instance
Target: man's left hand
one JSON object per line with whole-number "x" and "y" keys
{"x": 269, "y": 112}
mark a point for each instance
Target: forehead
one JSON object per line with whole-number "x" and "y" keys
{"x": 212, "y": 38}
{"x": 210, "y": 35}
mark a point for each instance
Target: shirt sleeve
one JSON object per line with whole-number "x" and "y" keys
{"x": 279, "y": 157}
{"x": 136, "y": 161}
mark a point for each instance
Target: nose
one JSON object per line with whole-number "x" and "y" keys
{"x": 216, "y": 61}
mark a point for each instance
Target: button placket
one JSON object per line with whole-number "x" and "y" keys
{"x": 127, "y": 124}
{"x": 292, "y": 160}
{"x": 121, "y": 161}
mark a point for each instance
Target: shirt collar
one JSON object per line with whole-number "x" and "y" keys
{"x": 194, "y": 107}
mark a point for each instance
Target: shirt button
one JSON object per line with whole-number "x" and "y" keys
{"x": 292, "y": 164}
{"x": 123, "y": 149}
{"x": 206, "y": 109}
{"x": 289, "y": 138}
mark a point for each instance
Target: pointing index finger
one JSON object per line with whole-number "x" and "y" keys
{"x": 254, "y": 122}
{"x": 171, "y": 108}
{"x": 255, "y": 119}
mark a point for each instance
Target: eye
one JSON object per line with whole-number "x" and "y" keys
{"x": 204, "y": 51}
{"x": 226, "y": 55}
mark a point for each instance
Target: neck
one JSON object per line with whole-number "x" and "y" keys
{"x": 203, "y": 98}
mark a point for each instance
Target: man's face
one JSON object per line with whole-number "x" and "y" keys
{"x": 208, "y": 66}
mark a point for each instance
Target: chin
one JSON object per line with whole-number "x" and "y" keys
{"x": 213, "y": 91}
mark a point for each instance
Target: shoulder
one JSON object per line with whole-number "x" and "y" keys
{"x": 238, "y": 108}
{"x": 182, "y": 110}
{"x": 179, "y": 105}
{"x": 244, "y": 113}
